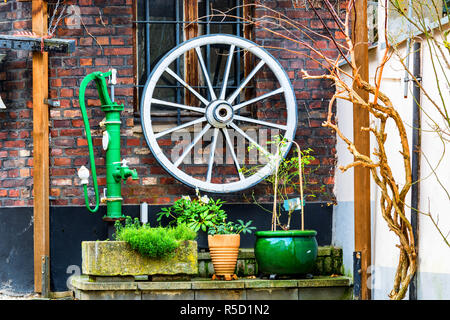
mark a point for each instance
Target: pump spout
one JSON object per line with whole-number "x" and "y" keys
{"x": 123, "y": 172}
{"x": 127, "y": 172}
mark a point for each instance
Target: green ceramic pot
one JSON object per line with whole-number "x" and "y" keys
{"x": 291, "y": 252}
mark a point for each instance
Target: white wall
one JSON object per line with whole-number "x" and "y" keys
{"x": 434, "y": 254}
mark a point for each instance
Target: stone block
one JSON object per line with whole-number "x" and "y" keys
{"x": 325, "y": 293}
{"x": 327, "y": 265}
{"x": 267, "y": 284}
{"x": 109, "y": 295}
{"x": 165, "y": 286}
{"x": 111, "y": 279}
{"x": 113, "y": 258}
{"x": 168, "y": 295}
{"x": 217, "y": 284}
{"x": 324, "y": 281}
{"x": 272, "y": 294}
{"x": 228, "y": 294}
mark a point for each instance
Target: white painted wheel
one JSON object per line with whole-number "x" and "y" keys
{"x": 219, "y": 112}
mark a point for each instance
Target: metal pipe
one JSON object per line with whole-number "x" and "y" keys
{"x": 415, "y": 159}
{"x": 147, "y": 39}
{"x": 238, "y": 59}
{"x": 208, "y": 47}
{"x": 177, "y": 62}
{"x": 116, "y": 170}
{"x": 408, "y": 51}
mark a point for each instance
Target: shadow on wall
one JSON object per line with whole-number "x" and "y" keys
{"x": 16, "y": 250}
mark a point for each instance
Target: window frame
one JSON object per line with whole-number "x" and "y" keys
{"x": 186, "y": 27}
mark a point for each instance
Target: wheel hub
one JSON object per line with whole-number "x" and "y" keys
{"x": 219, "y": 113}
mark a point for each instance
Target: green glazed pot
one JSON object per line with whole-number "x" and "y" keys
{"x": 291, "y": 252}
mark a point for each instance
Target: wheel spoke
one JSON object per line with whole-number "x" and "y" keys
{"x": 246, "y": 136}
{"x": 178, "y": 105}
{"x": 233, "y": 154}
{"x": 191, "y": 145}
{"x": 194, "y": 92}
{"x": 205, "y": 73}
{"x": 246, "y": 80}
{"x": 264, "y": 123}
{"x": 211, "y": 154}
{"x": 227, "y": 72}
{"x": 261, "y": 97}
{"x": 187, "y": 124}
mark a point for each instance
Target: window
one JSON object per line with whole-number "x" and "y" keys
{"x": 163, "y": 24}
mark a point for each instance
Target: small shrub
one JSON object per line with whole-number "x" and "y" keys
{"x": 203, "y": 214}
{"x": 151, "y": 242}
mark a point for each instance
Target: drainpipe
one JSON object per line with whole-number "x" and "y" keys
{"x": 408, "y": 49}
{"x": 415, "y": 165}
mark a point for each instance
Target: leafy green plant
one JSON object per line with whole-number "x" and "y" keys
{"x": 231, "y": 227}
{"x": 203, "y": 213}
{"x": 199, "y": 213}
{"x": 156, "y": 242}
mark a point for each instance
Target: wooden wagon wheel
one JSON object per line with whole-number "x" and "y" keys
{"x": 218, "y": 111}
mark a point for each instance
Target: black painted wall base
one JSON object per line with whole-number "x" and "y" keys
{"x": 69, "y": 226}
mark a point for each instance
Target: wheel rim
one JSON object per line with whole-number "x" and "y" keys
{"x": 218, "y": 114}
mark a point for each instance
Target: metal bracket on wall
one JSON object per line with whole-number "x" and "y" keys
{"x": 357, "y": 275}
{"x": 15, "y": 42}
{"x": 45, "y": 277}
{"x": 52, "y": 103}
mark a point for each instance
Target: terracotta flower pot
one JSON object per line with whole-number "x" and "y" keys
{"x": 224, "y": 249}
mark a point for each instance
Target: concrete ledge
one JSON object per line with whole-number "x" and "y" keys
{"x": 318, "y": 288}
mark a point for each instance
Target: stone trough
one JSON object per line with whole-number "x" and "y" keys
{"x": 112, "y": 270}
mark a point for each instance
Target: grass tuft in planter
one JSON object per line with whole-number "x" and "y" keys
{"x": 151, "y": 242}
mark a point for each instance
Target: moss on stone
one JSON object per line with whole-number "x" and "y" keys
{"x": 116, "y": 258}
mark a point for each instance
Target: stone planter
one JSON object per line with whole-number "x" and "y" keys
{"x": 116, "y": 258}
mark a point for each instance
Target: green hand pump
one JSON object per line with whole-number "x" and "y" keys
{"x": 117, "y": 170}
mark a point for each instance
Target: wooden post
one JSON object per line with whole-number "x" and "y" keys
{"x": 362, "y": 143}
{"x": 40, "y": 148}
{"x": 191, "y": 72}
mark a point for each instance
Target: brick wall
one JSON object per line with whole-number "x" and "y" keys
{"x": 312, "y": 95}
{"x": 16, "y": 142}
{"x": 105, "y": 40}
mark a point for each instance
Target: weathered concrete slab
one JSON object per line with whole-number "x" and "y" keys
{"x": 108, "y": 295}
{"x": 167, "y": 286}
{"x": 114, "y": 258}
{"x": 271, "y": 284}
{"x": 214, "y": 294}
{"x": 325, "y": 293}
{"x": 273, "y": 294}
{"x": 168, "y": 295}
{"x": 217, "y": 284}
{"x": 319, "y": 288}
{"x": 324, "y": 281}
